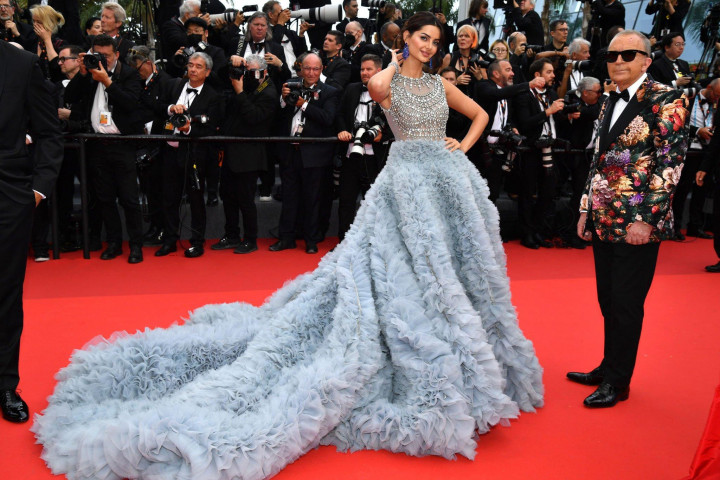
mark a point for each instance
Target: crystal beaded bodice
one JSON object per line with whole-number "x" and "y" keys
{"x": 419, "y": 108}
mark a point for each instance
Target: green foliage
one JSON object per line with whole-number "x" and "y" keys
{"x": 409, "y": 7}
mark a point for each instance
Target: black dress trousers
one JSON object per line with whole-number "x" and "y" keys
{"x": 237, "y": 191}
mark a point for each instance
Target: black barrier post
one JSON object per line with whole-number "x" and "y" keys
{"x": 84, "y": 200}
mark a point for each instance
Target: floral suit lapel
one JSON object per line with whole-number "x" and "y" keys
{"x": 633, "y": 108}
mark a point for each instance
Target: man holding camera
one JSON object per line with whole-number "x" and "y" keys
{"x": 535, "y": 119}
{"x": 251, "y": 112}
{"x": 354, "y": 49}
{"x": 576, "y": 67}
{"x": 711, "y": 165}
{"x": 336, "y": 71}
{"x": 605, "y": 15}
{"x": 361, "y": 122}
{"x": 557, "y": 50}
{"x": 110, "y": 90}
{"x": 308, "y": 110}
{"x": 527, "y": 20}
{"x": 519, "y": 58}
{"x": 351, "y": 9}
{"x": 292, "y": 43}
{"x": 196, "y": 30}
{"x": 172, "y": 32}
{"x": 193, "y": 108}
{"x": 388, "y": 32}
{"x": 670, "y": 69}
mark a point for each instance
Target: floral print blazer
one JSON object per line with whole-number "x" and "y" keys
{"x": 637, "y": 164}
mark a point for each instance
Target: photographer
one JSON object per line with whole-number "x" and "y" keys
{"x": 192, "y": 108}
{"x": 361, "y": 122}
{"x": 605, "y": 15}
{"x": 534, "y": 116}
{"x": 465, "y": 61}
{"x": 354, "y": 49}
{"x": 520, "y": 59}
{"x": 576, "y": 67}
{"x": 557, "y": 50}
{"x": 251, "y": 112}
{"x": 336, "y": 71}
{"x": 351, "y": 8}
{"x": 109, "y": 91}
{"x": 112, "y": 18}
{"x": 258, "y": 41}
{"x": 293, "y": 44}
{"x": 577, "y": 125}
{"x": 711, "y": 166}
{"x": 477, "y": 18}
{"x": 12, "y": 31}
{"x": 197, "y": 41}
{"x": 495, "y": 95}
{"x": 308, "y": 110}
{"x": 668, "y": 16}
{"x": 388, "y": 33}
{"x": 670, "y": 69}
{"x": 172, "y": 32}
{"x": 527, "y": 20}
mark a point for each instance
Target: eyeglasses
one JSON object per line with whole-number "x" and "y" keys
{"x": 63, "y": 59}
{"x": 8, "y": 7}
{"x": 562, "y": 29}
{"x": 679, "y": 44}
{"x": 627, "y": 55}
{"x": 499, "y": 49}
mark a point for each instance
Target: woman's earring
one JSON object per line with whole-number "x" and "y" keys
{"x": 430, "y": 65}
{"x": 406, "y": 51}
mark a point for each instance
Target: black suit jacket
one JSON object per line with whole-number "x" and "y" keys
{"x": 662, "y": 70}
{"x": 173, "y": 36}
{"x": 277, "y": 75}
{"x": 487, "y": 95}
{"x": 250, "y": 114}
{"x": 319, "y": 122}
{"x": 27, "y": 107}
{"x": 299, "y": 45}
{"x": 483, "y": 43}
{"x": 528, "y": 117}
{"x": 580, "y": 131}
{"x": 345, "y": 120}
{"x": 367, "y": 25}
{"x": 354, "y": 58}
{"x": 531, "y": 24}
{"x": 380, "y": 51}
{"x": 337, "y": 72}
{"x": 152, "y": 97}
{"x": 710, "y": 161}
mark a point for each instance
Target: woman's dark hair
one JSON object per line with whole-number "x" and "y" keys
{"x": 417, "y": 22}
{"x": 90, "y": 21}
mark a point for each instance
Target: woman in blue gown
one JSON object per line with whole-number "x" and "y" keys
{"x": 404, "y": 338}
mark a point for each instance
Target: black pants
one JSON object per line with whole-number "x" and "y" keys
{"x": 15, "y": 227}
{"x": 151, "y": 186}
{"x": 65, "y": 193}
{"x": 179, "y": 167}
{"x": 115, "y": 178}
{"x": 623, "y": 274}
{"x": 716, "y": 215}
{"x": 578, "y": 166}
{"x": 491, "y": 170}
{"x": 535, "y": 201}
{"x": 212, "y": 172}
{"x": 41, "y": 227}
{"x": 356, "y": 176}
{"x": 685, "y": 186}
{"x": 237, "y": 191}
{"x": 302, "y": 195}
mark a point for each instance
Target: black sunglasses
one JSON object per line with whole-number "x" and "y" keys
{"x": 627, "y": 55}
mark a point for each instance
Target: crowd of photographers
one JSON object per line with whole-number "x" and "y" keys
{"x": 276, "y": 72}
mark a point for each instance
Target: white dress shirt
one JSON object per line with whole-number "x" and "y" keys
{"x": 621, "y": 104}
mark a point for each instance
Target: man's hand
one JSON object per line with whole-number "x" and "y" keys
{"x": 610, "y": 87}
{"x": 38, "y": 198}
{"x": 463, "y": 79}
{"x": 219, "y": 24}
{"x": 237, "y": 61}
{"x": 441, "y": 16}
{"x": 704, "y": 133}
{"x": 180, "y": 51}
{"x": 283, "y": 17}
{"x": 682, "y": 81}
{"x": 177, "y": 108}
{"x": 344, "y": 136}
{"x": 638, "y": 233}
{"x": 100, "y": 75}
{"x": 63, "y": 113}
{"x": 537, "y": 82}
{"x": 564, "y": 53}
{"x": 477, "y": 72}
{"x": 304, "y": 27}
{"x": 700, "y": 178}
{"x": 285, "y": 91}
{"x": 273, "y": 60}
{"x": 556, "y": 106}
{"x": 573, "y": 116}
{"x": 582, "y": 232}
{"x": 206, "y": 17}
{"x": 237, "y": 84}
{"x": 378, "y": 137}
{"x": 10, "y": 25}
{"x": 239, "y": 19}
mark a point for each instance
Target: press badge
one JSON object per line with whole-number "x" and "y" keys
{"x": 106, "y": 118}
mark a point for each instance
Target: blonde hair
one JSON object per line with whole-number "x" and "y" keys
{"x": 501, "y": 42}
{"x": 48, "y": 17}
{"x": 472, "y": 31}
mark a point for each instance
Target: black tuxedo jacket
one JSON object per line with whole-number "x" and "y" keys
{"x": 354, "y": 58}
{"x": 710, "y": 162}
{"x": 319, "y": 122}
{"x": 250, "y": 114}
{"x": 661, "y": 70}
{"x": 123, "y": 97}
{"x": 531, "y": 24}
{"x": 173, "y": 36}
{"x": 27, "y": 107}
{"x": 299, "y": 45}
{"x": 152, "y": 97}
{"x": 367, "y": 25}
{"x": 337, "y": 72}
{"x": 483, "y": 43}
{"x": 277, "y": 75}
{"x": 380, "y": 51}
{"x": 528, "y": 117}
{"x": 345, "y": 120}
{"x": 487, "y": 95}
{"x": 579, "y": 132}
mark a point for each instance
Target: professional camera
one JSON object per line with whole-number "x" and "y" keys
{"x": 179, "y": 120}
{"x": 483, "y": 59}
{"x": 366, "y": 133}
{"x": 534, "y": 48}
{"x": 505, "y": 145}
{"x": 92, "y": 61}
{"x": 372, "y": 3}
{"x": 181, "y": 59}
{"x": 297, "y": 90}
{"x": 327, "y": 14}
{"x": 544, "y": 141}
{"x": 584, "y": 66}
{"x": 236, "y": 73}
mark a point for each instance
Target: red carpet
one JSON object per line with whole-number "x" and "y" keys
{"x": 653, "y": 435}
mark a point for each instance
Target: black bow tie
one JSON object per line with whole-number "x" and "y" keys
{"x": 364, "y": 88}
{"x": 191, "y": 90}
{"x": 258, "y": 46}
{"x": 625, "y": 95}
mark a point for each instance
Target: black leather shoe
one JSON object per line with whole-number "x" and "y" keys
{"x": 575, "y": 242}
{"x": 14, "y": 409}
{"x": 594, "y": 377}
{"x": 166, "y": 250}
{"x": 194, "y": 251}
{"x": 248, "y": 246}
{"x": 713, "y": 268}
{"x": 698, "y": 234}
{"x": 606, "y": 396}
{"x": 212, "y": 201}
{"x": 282, "y": 245}
{"x": 112, "y": 251}
{"x": 311, "y": 248}
{"x": 136, "y": 255}
{"x": 529, "y": 242}
{"x": 225, "y": 243}
{"x": 542, "y": 242}
{"x": 154, "y": 237}
{"x": 679, "y": 237}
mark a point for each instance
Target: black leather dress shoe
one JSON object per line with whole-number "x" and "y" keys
{"x": 225, "y": 243}
{"x": 154, "y": 237}
{"x": 679, "y": 237}
{"x": 575, "y": 242}
{"x": 112, "y": 251}
{"x": 595, "y": 377}
{"x": 698, "y": 234}
{"x": 529, "y": 242}
{"x": 606, "y": 396}
{"x": 14, "y": 409}
{"x": 136, "y": 255}
{"x": 282, "y": 245}
{"x": 248, "y": 246}
{"x": 713, "y": 268}
{"x": 311, "y": 248}
{"x": 543, "y": 242}
{"x": 166, "y": 250}
{"x": 194, "y": 251}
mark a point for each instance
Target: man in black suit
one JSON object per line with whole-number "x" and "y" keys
{"x": 518, "y": 56}
{"x": 251, "y": 112}
{"x": 361, "y": 163}
{"x": 670, "y": 69}
{"x": 351, "y": 15}
{"x": 607, "y": 14}
{"x": 27, "y": 107}
{"x": 293, "y": 44}
{"x": 111, "y": 20}
{"x": 258, "y": 40}
{"x": 172, "y": 32}
{"x": 477, "y": 18}
{"x": 711, "y": 165}
{"x": 111, "y": 97}
{"x": 18, "y": 32}
{"x": 495, "y": 95}
{"x": 355, "y": 49}
{"x": 197, "y": 39}
{"x": 557, "y": 50}
{"x": 185, "y": 163}
{"x": 336, "y": 71}
{"x": 388, "y": 32}
{"x": 527, "y": 20}
{"x": 306, "y": 172}
{"x": 534, "y": 117}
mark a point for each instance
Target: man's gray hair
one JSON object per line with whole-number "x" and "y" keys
{"x": 587, "y": 83}
{"x": 512, "y": 39}
{"x": 256, "y": 60}
{"x": 355, "y": 23}
{"x": 269, "y": 6}
{"x": 118, "y": 11}
{"x": 576, "y": 44}
{"x": 189, "y": 6}
{"x": 255, "y": 16}
{"x": 635, "y": 33}
{"x": 206, "y": 58}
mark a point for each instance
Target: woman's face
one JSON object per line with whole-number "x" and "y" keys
{"x": 424, "y": 43}
{"x": 500, "y": 51}
{"x": 96, "y": 28}
{"x": 464, "y": 40}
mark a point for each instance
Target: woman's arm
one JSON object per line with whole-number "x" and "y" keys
{"x": 379, "y": 85}
{"x": 467, "y": 106}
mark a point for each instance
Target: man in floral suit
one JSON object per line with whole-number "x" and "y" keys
{"x": 637, "y": 163}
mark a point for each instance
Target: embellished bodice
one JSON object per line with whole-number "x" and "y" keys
{"x": 419, "y": 109}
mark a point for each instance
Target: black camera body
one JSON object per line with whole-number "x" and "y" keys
{"x": 236, "y": 73}
{"x": 534, "y": 48}
{"x": 584, "y": 66}
{"x": 507, "y": 141}
{"x": 544, "y": 141}
{"x": 179, "y": 120}
{"x": 366, "y": 133}
{"x": 92, "y": 61}
{"x": 297, "y": 90}
{"x": 181, "y": 59}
